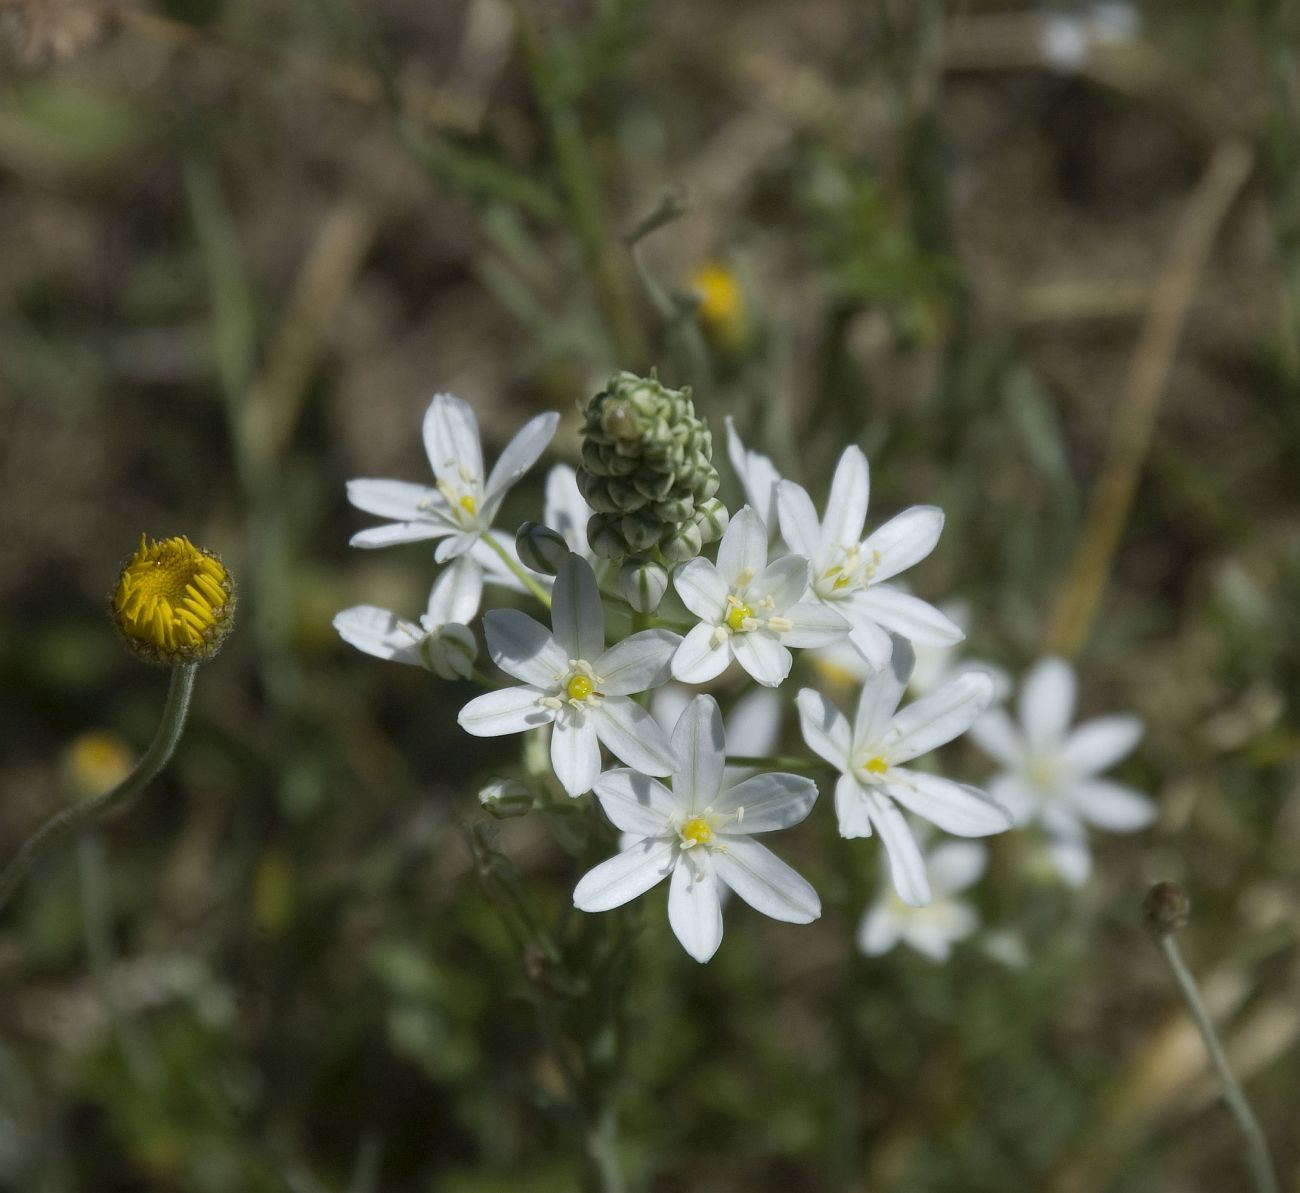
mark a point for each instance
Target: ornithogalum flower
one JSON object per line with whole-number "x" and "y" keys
{"x": 848, "y": 571}
{"x": 1052, "y": 773}
{"x": 571, "y": 681}
{"x": 442, "y": 641}
{"x": 933, "y": 929}
{"x": 749, "y": 609}
{"x": 700, "y": 833}
{"x": 757, "y": 475}
{"x": 460, "y": 507}
{"x": 869, "y": 754}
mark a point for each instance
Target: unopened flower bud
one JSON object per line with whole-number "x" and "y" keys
{"x": 643, "y": 584}
{"x": 1166, "y": 909}
{"x": 541, "y": 548}
{"x": 506, "y": 798}
{"x": 174, "y": 603}
{"x": 647, "y": 470}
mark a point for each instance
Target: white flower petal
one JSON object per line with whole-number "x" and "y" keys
{"x": 638, "y": 663}
{"x": 451, "y": 442}
{"x": 906, "y": 865}
{"x": 1047, "y": 703}
{"x": 799, "y": 525}
{"x": 509, "y": 710}
{"x": 450, "y": 651}
{"x": 624, "y": 876}
{"x": 824, "y": 728}
{"x": 877, "y": 703}
{"x": 903, "y": 541}
{"x": 763, "y": 656}
{"x": 996, "y": 734}
{"x": 699, "y": 658}
{"x": 908, "y": 616}
{"x": 399, "y": 500}
{"x": 1098, "y": 744}
{"x": 956, "y": 865}
{"x": 769, "y": 802}
{"x": 1111, "y": 805}
{"x": 566, "y": 511}
{"x": 694, "y": 909}
{"x": 757, "y": 476}
{"x": 456, "y": 594}
{"x": 702, "y": 590}
{"x": 700, "y": 744}
{"x": 1072, "y": 858}
{"x": 393, "y": 533}
{"x": 846, "y": 508}
{"x": 852, "y": 808}
{"x": 873, "y": 643}
{"x": 575, "y": 753}
{"x": 754, "y": 723}
{"x": 380, "y": 633}
{"x": 576, "y": 612}
{"x": 455, "y": 545}
{"x": 518, "y": 456}
{"x": 933, "y": 936}
{"x": 636, "y": 803}
{"x": 765, "y": 882}
{"x": 813, "y": 625}
{"x": 935, "y": 719}
{"x": 524, "y": 648}
{"x": 955, "y": 807}
{"x": 743, "y": 547}
{"x": 1014, "y": 794}
{"x": 878, "y": 931}
{"x": 633, "y": 736}
{"x": 784, "y": 581}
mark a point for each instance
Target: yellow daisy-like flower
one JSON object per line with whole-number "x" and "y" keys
{"x": 722, "y": 304}
{"x": 174, "y": 603}
{"x": 95, "y": 762}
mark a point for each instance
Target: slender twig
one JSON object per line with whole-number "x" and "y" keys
{"x": 1171, "y": 298}
{"x": 520, "y": 574}
{"x": 155, "y": 758}
{"x": 1261, "y": 1164}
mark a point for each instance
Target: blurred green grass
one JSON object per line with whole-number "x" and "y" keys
{"x": 241, "y": 244}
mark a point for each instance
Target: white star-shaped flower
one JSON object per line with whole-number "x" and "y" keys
{"x": 869, "y": 755}
{"x": 1052, "y": 773}
{"x": 931, "y": 930}
{"x": 460, "y": 508}
{"x": 700, "y": 833}
{"x": 848, "y": 571}
{"x": 571, "y": 680}
{"x": 749, "y": 609}
{"x": 442, "y": 642}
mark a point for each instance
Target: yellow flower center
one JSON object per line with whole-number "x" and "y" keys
{"x": 875, "y": 766}
{"x": 696, "y": 831}
{"x": 579, "y": 687}
{"x": 469, "y": 505}
{"x": 173, "y": 601}
{"x": 737, "y": 614}
{"x": 721, "y": 308}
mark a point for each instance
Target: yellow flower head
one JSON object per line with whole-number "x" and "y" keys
{"x": 174, "y": 603}
{"x": 95, "y": 762}
{"x": 722, "y": 303}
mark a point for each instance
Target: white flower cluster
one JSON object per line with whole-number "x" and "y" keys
{"x": 781, "y": 579}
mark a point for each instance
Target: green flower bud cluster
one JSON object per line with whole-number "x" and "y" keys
{"x": 647, "y": 470}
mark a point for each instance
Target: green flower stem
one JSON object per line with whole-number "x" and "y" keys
{"x": 1261, "y": 1164}
{"x": 520, "y": 574}
{"x": 70, "y": 819}
{"x": 786, "y": 762}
